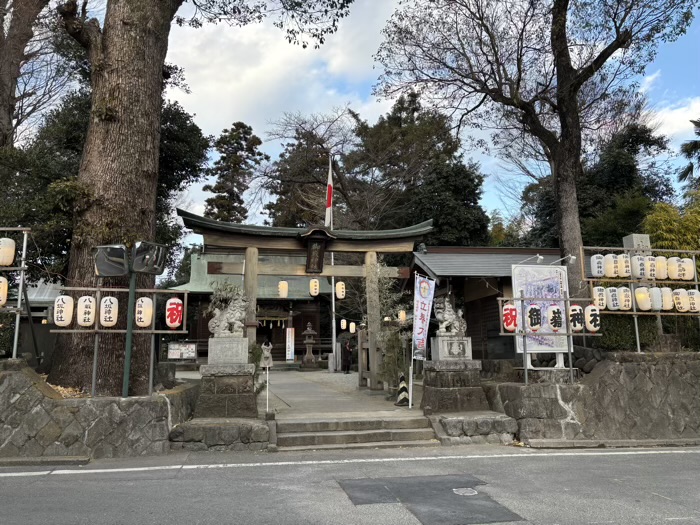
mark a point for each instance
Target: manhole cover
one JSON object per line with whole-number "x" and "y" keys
{"x": 465, "y": 492}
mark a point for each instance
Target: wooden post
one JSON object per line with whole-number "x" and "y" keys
{"x": 250, "y": 278}
{"x": 374, "y": 325}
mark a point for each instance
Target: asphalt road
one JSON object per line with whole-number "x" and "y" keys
{"x": 429, "y": 486}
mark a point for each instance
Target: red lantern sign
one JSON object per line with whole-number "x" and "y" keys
{"x": 510, "y": 317}
{"x": 173, "y": 313}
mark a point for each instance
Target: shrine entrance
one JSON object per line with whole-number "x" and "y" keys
{"x": 259, "y": 256}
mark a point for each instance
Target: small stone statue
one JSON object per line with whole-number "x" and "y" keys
{"x": 228, "y": 306}
{"x": 266, "y": 359}
{"x": 448, "y": 319}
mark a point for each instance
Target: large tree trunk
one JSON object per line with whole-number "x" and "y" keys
{"x": 119, "y": 168}
{"x": 15, "y": 34}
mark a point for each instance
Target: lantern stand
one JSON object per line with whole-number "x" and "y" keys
{"x": 526, "y": 358}
{"x": 98, "y": 298}
{"x": 570, "y": 337}
{"x": 153, "y": 346}
{"x": 21, "y": 289}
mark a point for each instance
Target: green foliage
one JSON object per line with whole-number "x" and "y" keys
{"x": 255, "y": 353}
{"x": 239, "y": 156}
{"x": 618, "y": 333}
{"x": 691, "y": 151}
{"x": 7, "y": 332}
{"x": 394, "y": 361}
{"x": 671, "y": 227}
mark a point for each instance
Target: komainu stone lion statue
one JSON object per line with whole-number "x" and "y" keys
{"x": 449, "y": 319}
{"x": 228, "y": 306}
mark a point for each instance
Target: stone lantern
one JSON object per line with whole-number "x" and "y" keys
{"x": 309, "y": 334}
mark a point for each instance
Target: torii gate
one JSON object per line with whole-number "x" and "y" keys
{"x": 314, "y": 242}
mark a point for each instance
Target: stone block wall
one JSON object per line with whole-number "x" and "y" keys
{"x": 36, "y": 421}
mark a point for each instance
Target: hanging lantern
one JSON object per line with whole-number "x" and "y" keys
{"x": 592, "y": 315}
{"x": 643, "y": 298}
{"x": 314, "y": 287}
{"x": 109, "y": 310}
{"x": 655, "y": 296}
{"x": 63, "y": 310}
{"x": 533, "y": 316}
{"x": 283, "y": 289}
{"x": 624, "y": 295}
{"x": 173, "y": 313}
{"x": 666, "y": 299}
{"x": 638, "y": 266}
{"x": 144, "y": 312}
{"x": 611, "y": 266}
{"x": 510, "y": 317}
{"x": 694, "y": 301}
{"x": 343, "y": 324}
{"x": 597, "y": 265}
{"x": 352, "y": 328}
{"x": 624, "y": 265}
{"x": 673, "y": 268}
{"x": 554, "y": 318}
{"x": 3, "y": 291}
{"x": 7, "y": 251}
{"x": 650, "y": 266}
{"x": 681, "y": 300}
{"x": 661, "y": 267}
{"x": 576, "y": 319}
{"x": 686, "y": 269}
{"x": 599, "y": 296}
{"x": 612, "y": 300}
{"x": 87, "y": 311}
{"x": 402, "y": 316}
{"x": 340, "y": 290}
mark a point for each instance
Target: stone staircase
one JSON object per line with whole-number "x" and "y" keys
{"x": 332, "y": 433}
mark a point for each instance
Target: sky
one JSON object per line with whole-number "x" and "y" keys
{"x": 252, "y": 74}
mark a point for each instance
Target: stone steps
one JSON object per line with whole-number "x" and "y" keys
{"x": 475, "y": 428}
{"x": 220, "y": 434}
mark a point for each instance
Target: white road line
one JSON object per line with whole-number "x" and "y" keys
{"x": 348, "y": 462}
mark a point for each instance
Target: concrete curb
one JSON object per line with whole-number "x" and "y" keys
{"x": 610, "y": 443}
{"x": 42, "y": 461}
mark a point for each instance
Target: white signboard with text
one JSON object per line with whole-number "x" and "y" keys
{"x": 290, "y": 344}
{"x": 182, "y": 350}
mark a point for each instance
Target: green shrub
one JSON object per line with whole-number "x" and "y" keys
{"x": 618, "y": 333}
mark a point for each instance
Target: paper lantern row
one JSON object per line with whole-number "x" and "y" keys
{"x": 643, "y": 267}
{"x": 86, "y": 311}
{"x": 7, "y": 251}
{"x": 578, "y": 318}
{"x": 653, "y": 298}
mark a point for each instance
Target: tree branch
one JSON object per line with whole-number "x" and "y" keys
{"x": 86, "y": 32}
{"x": 622, "y": 40}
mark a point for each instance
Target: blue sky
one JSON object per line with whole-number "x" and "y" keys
{"x": 252, "y": 74}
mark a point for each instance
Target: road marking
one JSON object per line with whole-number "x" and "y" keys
{"x": 64, "y": 472}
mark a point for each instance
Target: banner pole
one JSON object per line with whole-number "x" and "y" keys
{"x": 267, "y": 389}
{"x": 410, "y": 386}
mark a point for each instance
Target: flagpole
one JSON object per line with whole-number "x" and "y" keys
{"x": 333, "y": 332}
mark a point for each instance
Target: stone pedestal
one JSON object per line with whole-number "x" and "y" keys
{"x": 453, "y": 386}
{"x": 227, "y": 388}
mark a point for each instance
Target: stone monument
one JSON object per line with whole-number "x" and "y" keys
{"x": 452, "y": 379}
{"x": 227, "y": 388}
{"x": 309, "y": 361}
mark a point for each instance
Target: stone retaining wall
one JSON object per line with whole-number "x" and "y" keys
{"x": 36, "y": 421}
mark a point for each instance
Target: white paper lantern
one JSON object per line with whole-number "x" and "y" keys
{"x": 555, "y": 318}
{"x": 624, "y": 295}
{"x": 63, "y": 310}
{"x": 109, "y": 311}
{"x": 597, "y": 265}
{"x": 3, "y": 291}
{"x": 352, "y": 328}
{"x": 624, "y": 265}
{"x": 612, "y": 299}
{"x": 680, "y": 300}
{"x": 283, "y": 289}
{"x": 694, "y": 301}
{"x": 174, "y": 313}
{"x": 340, "y": 290}
{"x": 666, "y": 299}
{"x": 343, "y": 324}
{"x": 673, "y": 268}
{"x": 510, "y": 317}
{"x": 576, "y": 318}
{"x": 533, "y": 317}
{"x": 402, "y": 316}
{"x": 599, "y": 296}
{"x": 661, "y": 267}
{"x": 650, "y": 266}
{"x": 144, "y": 312}
{"x": 686, "y": 269}
{"x": 314, "y": 287}
{"x": 611, "y": 265}
{"x": 655, "y": 297}
{"x": 86, "y": 311}
{"x": 643, "y": 298}
{"x": 592, "y": 315}
{"x": 638, "y": 266}
{"x": 7, "y": 251}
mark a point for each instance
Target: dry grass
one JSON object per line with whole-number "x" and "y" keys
{"x": 66, "y": 392}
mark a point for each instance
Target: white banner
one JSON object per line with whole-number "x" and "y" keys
{"x": 290, "y": 345}
{"x": 422, "y": 306}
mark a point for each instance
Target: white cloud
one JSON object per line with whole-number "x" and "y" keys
{"x": 674, "y": 119}
{"x": 649, "y": 80}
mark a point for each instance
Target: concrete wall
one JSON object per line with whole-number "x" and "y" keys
{"x": 36, "y": 421}
{"x": 627, "y": 397}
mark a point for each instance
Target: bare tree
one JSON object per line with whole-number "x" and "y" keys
{"x": 547, "y": 67}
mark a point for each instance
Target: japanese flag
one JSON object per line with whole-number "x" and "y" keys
{"x": 329, "y": 196}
